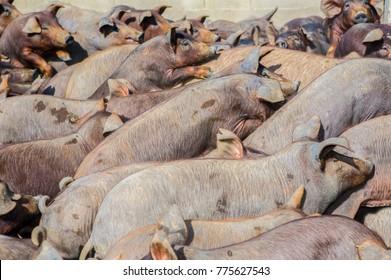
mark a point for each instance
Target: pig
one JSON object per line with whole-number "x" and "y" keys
{"x": 370, "y": 140}
{"x": 343, "y": 14}
{"x": 28, "y": 36}
{"x": 33, "y": 117}
{"x": 24, "y": 166}
{"x": 282, "y": 62}
{"x": 378, "y": 220}
{"x": 367, "y": 40}
{"x": 57, "y": 85}
{"x": 13, "y": 248}
{"x": 16, "y": 210}
{"x": 8, "y": 13}
{"x": 372, "y": 249}
{"x": 174, "y": 53}
{"x": 231, "y": 102}
{"x": 356, "y": 103}
{"x": 18, "y": 75}
{"x": 312, "y": 238}
{"x": 203, "y": 234}
{"x": 69, "y": 217}
{"x": 150, "y": 21}
{"x": 45, "y": 250}
{"x": 197, "y": 29}
{"x": 203, "y": 188}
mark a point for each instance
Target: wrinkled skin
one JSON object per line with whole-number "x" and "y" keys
{"x": 13, "y": 248}
{"x": 229, "y": 102}
{"x": 69, "y": 224}
{"x": 370, "y": 139}
{"x": 24, "y": 166}
{"x": 29, "y": 36}
{"x": 359, "y": 40}
{"x": 359, "y": 102}
{"x": 343, "y": 14}
{"x": 378, "y": 220}
{"x": 32, "y": 117}
{"x": 313, "y": 238}
{"x": 204, "y": 189}
{"x": 8, "y": 13}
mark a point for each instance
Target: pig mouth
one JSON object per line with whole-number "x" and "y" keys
{"x": 130, "y": 40}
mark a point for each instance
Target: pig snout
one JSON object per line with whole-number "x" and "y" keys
{"x": 69, "y": 39}
{"x": 364, "y": 166}
{"x": 361, "y": 17}
{"x": 217, "y": 39}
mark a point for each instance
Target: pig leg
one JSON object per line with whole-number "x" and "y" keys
{"x": 199, "y": 72}
{"x": 38, "y": 61}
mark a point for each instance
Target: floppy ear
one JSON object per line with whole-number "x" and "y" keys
{"x": 331, "y": 7}
{"x": 53, "y": 9}
{"x": 374, "y": 36}
{"x": 119, "y": 87}
{"x": 160, "y": 9}
{"x": 186, "y": 26}
{"x": 172, "y": 226}
{"x": 311, "y": 130}
{"x": 271, "y": 34}
{"x": 112, "y": 123}
{"x": 106, "y": 25}
{"x": 38, "y": 235}
{"x": 161, "y": 249}
{"x": 32, "y": 26}
{"x": 326, "y": 146}
{"x": 229, "y": 144}
{"x": 378, "y": 5}
{"x": 251, "y": 63}
{"x": 270, "y": 91}
{"x": 171, "y": 37}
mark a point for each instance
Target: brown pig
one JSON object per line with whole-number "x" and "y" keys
{"x": 366, "y": 39}
{"x": 197, "y": 29}
{"x": 29, "y": 36}
{"x": 343, "y": 14}
{"x": 37, "y": 166}
{"x": 313, "y": 238}
{"x": 203, "y": 234}
{"x": 16, "y": 210}
{"x": 234, "y": 102}
{"x": 8, "y": 13}
{"x": 31, "y": 117}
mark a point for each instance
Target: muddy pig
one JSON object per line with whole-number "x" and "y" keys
{"x": 338, "y": 97}
{"x": 343, "y": 14}
{"x": 29, "y": 36}
{"x": 16, "y": 210}
{"x": 37, "y": 166}
{"x": 238, "y": 103}
{"x": 8, "y": 13}
{"x": 69, "y": 224}
{"x": 203, "y": 234}
{"x": 32, "y": 117}
{"x": 203, "y": 188}
{"x": 366, "y": 39}
{"x": 313, "y": 238}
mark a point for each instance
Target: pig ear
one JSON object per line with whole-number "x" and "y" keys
{"x": 331, "y": 7}
{"x": 296, "y": 198}
{"x": 119, "y": 87}
{"x": 271, "y": 34}
{"x": 311, "y": 130}
{"x": 270, "y": 91}
{"x": 38, "y": 235}
{"x": 326, "y": 146}
{"x": 186, "y": 26}
{"x": 305, "y": 34}
{"x": 372, "y": 249}
{"x": 270, "y": 14}
{"x": 161, "y": 249}
{"x": 255, "y": 33}
{"x": 105, "y": 25}
{"x": 144, "y": 15}
{"x": 234, "y": 39}
{"x": 229, "y": 144}
{"x": 173, "y": 227}
{"x": 113, "y": 122}
{"x": 171, "y": 36}
{"x": 373, "y": 36}
{"x": 53, "y": 9}
{"x": 32, "y": 26}
{"x": 251, "y": 63}
{"x": 378, "y": 5}
{"x": 201, "y": 19}
{"x": 160, "y": 9}
{"x": 7, "y": 204}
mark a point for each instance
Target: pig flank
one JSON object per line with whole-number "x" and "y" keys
{"x": 204, "y": 189}
{"x": 25, "y": 166}
{"x": 228, "y": 103}
{"x": 68, "y": 222}
{"x": 313, "y": 238}
{"x": 32, "y": 117}
{"x": 357, "y": 101}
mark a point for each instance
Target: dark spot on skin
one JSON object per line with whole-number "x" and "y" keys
{"x": 75, "y": 216}
{"x": 308, "y": 180}
{"x": 1, "y": 112}
{"x": 278, "y": 203}
{"x": 208, "y": 103}
{"x": 229, "y": 253}
{"x": 221, "y": 205}
{"x": 61, "y": 114}
{"x": 73, "y": 141}
{"x": 40, "y": 106}
{"x": 290, "y": 176}
{"x": 212, "y": 176}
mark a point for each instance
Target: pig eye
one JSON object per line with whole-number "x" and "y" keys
{"x": 196, "y": 31}
{"x": 45, "y": 27}
{"x": 185, "y": 43}
{"x": 7, "y": 12}
{"x": 366, "y": 3}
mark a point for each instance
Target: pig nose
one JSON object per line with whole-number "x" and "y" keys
{"x": 69, "y": 40}
{"x": 361, "y": 18}
{"x": 140, "y": 38}
{"x": 282, "y": 44}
